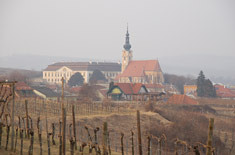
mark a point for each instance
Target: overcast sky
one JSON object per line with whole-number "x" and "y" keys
{"x": 96, "y": 28}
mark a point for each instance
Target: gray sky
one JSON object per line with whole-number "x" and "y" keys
{"x": 95, "y": 29}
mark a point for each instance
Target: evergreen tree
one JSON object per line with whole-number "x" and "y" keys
{"x": 97, "y": 75}
{"x": 209, "y": 89}
{"x": 200, "y": 84}
{"x": 205, "y": 87}
{"x": 76, "y": 80}
{"x": 111, "y": 85}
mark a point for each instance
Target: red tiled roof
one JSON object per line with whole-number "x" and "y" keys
{"x": 136, "y": 87}
{"x": 125, "y": 87}
{"x": 75, "y": 89}
{"x": 137, "y": 68}
{"x": 222, "y": 91}
{"x": 22, "y": 86}
{"x": 181, "y": 99}
{"x": 129, "y": 88}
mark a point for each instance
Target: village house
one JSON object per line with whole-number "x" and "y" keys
{"x": 22, "y": 90}
{"x": 127, "y": 91}
{"x": 223, "y": 92}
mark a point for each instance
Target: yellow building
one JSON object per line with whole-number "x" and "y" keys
{"x": 190, "y": 89}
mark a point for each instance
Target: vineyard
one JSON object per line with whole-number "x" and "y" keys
{"x": 85, "y": 127}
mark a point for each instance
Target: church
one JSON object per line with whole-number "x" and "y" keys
{"x": 138, "y": 71}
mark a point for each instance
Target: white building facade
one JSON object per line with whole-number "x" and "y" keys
{"x": 54, "y": 73}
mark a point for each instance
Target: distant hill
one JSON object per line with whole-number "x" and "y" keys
{"x": 28, "y": 73}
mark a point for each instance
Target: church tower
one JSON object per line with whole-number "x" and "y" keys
{"x": 126, "y": 53}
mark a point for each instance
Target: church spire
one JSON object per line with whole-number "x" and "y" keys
{"x": 127, "y": 45}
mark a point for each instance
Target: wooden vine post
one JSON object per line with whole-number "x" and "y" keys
{"x": 132, "y": 143}
{"x": 71, "y": 140}
{"x": 63, "y": 131}
{"x": 1, "y": 126}
{"x": 48, "y": 137}
{"x": 209, "y": 138}
{"x": 149, "y": 147}
{"x": 63, "y": 120}
{"x": 139, "y": 132}
{"x": 17, "y": 129}
{"x": 21, "y": 140}
{"x": 60, "y": 138}
{"x": 109, "y": 145}
{"x": 13, "y": 116}
{"x": 74, "y": 127}
{"x": 122, "y": 147}
{"x": 8, "y": 132}
{"x": 53, "y": 133}
{"x": 62, "y": 95}
{"x": 39, "y": 135}
{"x": 27, "y": 118}
{"x": 105, "y": 133}
{"x": 31, "y": 142}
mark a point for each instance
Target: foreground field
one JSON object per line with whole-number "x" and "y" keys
{"x": 188, "y": 123}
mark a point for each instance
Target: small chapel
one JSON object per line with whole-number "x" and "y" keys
{"x": 138, "y": 71}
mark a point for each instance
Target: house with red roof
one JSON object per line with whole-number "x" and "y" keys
{"x": 126, "y": 91}
{"x": 223, "y": 92}
{"x": 23, "y": 90}
{"x": 138, "y": 71}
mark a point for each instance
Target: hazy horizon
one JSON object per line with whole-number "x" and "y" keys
{"x": 186, "y": 34}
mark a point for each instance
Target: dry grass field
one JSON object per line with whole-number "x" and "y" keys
{"x": 188, "y": 123}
